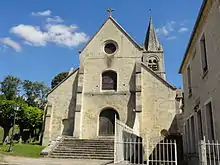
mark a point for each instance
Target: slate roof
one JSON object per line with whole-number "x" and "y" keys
{"x": 151, "y": 42}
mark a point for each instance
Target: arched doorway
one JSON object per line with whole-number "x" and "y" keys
{"x": 107, "y": 122}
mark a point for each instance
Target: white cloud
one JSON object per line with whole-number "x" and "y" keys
{"x": 171, "y": 38}
{"x": 30, "y": 34}
{"x": 6, "y": 41}
{"x": 3, "y": 48}
{"x": 59, "y": 34}
{"x": 170, "y": 25}
{"x": 162, "y": 31}
{"x": 43, "y": 13}
{"x": 166, "y": 29}
{"x": 56, "y": 19}
{"x": 184, "y": 29}
{"x": 65, "y": 35}
{"x": 183, "y": 22}
{"x": 54, "y": 31}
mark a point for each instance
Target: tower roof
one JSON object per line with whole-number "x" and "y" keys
{"x": 151, "y": 42}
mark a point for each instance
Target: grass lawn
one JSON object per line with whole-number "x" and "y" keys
{"x": 26, "y": 150}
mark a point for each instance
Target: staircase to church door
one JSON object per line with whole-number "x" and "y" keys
{"x": 71, "y": 148}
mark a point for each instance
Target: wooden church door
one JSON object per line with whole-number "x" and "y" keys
{"x": 107, "y": 122}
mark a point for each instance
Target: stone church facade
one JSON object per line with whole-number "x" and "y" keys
{"x": 117, "y": 78}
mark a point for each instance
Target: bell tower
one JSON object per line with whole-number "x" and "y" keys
{"x": 153, "y": 55}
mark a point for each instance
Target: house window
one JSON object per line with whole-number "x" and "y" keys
{"x": 209, "y": 121}
{"x": 203, "y": 55}
{"x": 199, "y": 120}
{"x": 109, "y": 80}
{"x": 188, "y": 136}
{"x": 193, "y": 140}
{"x": 189, "y": 81}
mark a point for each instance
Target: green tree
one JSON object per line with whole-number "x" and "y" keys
{"x": 30, "y": 118}
{"x": 27, "y": 117}
{"x": 58, "y": 78}
{"x": 6, "y": 116}
{"x": 10, "y": 87}
{"x": 2, "y": 97}
{"x": 30, "y": 114}
{"x": 35, "y": 93}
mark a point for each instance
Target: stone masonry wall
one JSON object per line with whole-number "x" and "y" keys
{"x": 158, "y": 112}
{"x": 61, "y": 110}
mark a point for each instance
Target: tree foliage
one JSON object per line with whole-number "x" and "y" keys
{"x": 31, "y": 104}
{"x": 10, "y": 87}
{"x": 27, "y": 116}
{"x": 58, "y": 78}
{"x": 35, "y": 93}
{"x": 6, "y": 115}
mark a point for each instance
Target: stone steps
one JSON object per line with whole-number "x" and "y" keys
{"x": 80, "y": 150}
{"x": 82, "y": 154}
{"x": 84, "y": 147}
{"x": 86, "y": 144}
{"x": 82, "y": 157}
{"x": 92, "y": 143}
{"x": 71, "y": 148}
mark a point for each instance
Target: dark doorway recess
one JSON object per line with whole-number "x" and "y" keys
{"x": 107, "y": 122}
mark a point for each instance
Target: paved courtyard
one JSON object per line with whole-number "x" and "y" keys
{"x": 12, "y": 160}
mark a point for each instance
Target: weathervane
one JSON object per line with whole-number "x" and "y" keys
{"x": 150, "y": 14}
{"x": 110, "y": 10}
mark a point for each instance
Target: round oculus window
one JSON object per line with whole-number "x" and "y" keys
{"x": 110, "y": 48}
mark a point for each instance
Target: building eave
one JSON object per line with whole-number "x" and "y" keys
{"x": 158, "y": 77}
{"x": 120, "y": 28}
{"x": 61, "y": 82}
{"x": 193, "y": 34}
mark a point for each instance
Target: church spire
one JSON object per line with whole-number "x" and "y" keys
{"x": 151, "y": 42}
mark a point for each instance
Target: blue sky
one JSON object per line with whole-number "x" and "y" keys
{"x": 39, "y": 39}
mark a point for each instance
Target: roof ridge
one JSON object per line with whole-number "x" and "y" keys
{"x": 120, "y": 28}
{"x": 62, "y": 82}
{"x": 158, "y": 77}
{"x": 128, "y": 35}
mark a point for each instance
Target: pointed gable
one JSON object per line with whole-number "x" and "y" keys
{"x": 118, "y": 26}
{"x": 151, "y": 41}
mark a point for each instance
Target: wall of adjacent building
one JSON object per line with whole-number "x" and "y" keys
{"x": 205, "y": 87}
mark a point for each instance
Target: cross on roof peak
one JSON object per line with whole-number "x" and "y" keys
{"x": 110, "y": 10}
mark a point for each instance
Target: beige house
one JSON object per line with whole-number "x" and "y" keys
{"x": 201, "y": 79}
{"x": 116, "y": 78}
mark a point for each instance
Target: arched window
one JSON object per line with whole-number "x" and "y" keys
{"x": 109, "y": 80}
{"x": 153, "y": 63}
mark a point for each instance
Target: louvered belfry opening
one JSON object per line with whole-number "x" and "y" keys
{"x": 109, "y": 80}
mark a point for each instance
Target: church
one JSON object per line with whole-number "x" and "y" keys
{"x": 117, "y": 79}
